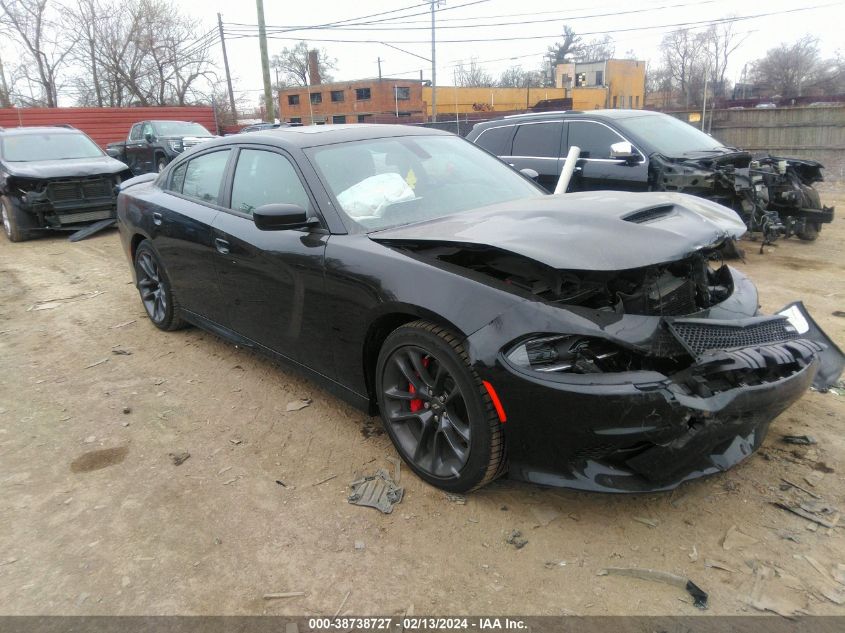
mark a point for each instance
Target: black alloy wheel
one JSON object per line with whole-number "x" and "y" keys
{"x": 155, "y": 291}
{"x": 436, "y": 410}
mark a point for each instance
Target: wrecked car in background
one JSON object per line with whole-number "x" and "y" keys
{"x": 591, "y": 340}
{"x": 638, "y": 150}
{"x": 55, "y": 178}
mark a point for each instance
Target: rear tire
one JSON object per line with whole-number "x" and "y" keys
{"x": 436, "y": 410}
{"x": 15, "y": 222}
{"x": 156, "y": 292}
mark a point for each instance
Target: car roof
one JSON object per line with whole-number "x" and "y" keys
{"x": 314, "y": 135}
{"x": 38, "y": 129}
{"x": 568, "y": 114}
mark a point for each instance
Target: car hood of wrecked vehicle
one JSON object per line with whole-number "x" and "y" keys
{"x": 65, "y": 168}
{"x": 601, "y": 231}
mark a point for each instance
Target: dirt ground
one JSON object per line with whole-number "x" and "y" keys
{"x": 125, "y": 531}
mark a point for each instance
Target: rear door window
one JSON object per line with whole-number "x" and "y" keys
{"x": 593, "y": 139}
{"x": 204, "y": 176}
{"x": 538, "y": 140}
{"x": 497, "y": 140}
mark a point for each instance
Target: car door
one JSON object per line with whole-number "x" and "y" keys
{"x": 134, "y": 149}
{"x": 596, "y": 169}
{"x": 272, "y": 281}
{"x": 182, "y": 234}
{"x": 537, "y": 146}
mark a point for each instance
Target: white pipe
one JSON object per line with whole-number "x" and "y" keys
{"x": 568, "y": 169}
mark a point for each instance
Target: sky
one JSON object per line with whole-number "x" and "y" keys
{"x": 639, "y": 27}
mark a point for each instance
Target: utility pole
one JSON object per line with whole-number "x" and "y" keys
{"x": 226, "y": 66}
{"x": 379, "y": 68}
{"x": 270, "y": 111}
{"x": 433, "y": 67}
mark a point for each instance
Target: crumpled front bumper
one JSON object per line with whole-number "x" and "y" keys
{"x": 640, "y": 431}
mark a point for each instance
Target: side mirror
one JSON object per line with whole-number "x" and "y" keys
{"x": 149, "y": 137}
{"x": 623, "y": 150}
{"x": 282, "y": 217}
{"x": 531, "y": 173}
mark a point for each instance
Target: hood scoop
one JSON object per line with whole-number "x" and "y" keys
{"x": 647, "y": 215}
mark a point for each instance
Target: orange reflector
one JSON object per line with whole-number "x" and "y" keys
{"x": 496, "y": 402}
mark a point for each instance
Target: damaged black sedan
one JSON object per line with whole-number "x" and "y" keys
{"x": 54, "y": 178}
{"x": 591, "y": 340}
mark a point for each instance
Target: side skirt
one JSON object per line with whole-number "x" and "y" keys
{"x": 335, "y": 388}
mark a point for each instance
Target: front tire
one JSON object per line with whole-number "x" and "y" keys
{"x": 155, "y": 289}
{"x": 161, "y": 163}
{"x": 436, "y": 410}
{"x": 14, "y": 221}
{"x": 810, "y": 232}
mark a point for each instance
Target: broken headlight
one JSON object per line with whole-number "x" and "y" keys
{"x": 569, "y": 354}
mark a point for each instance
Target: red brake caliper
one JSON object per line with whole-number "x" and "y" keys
{"x": 417, "y": 403}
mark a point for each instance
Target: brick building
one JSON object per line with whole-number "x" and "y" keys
{"x": 351, "y": 101}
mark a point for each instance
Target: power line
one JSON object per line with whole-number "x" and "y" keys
{"x": 287, "y": 29}
{"x": 557, "y": 35}
{"x": 357, "y": 27}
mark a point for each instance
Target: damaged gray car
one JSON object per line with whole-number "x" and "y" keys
{"x": 55, "y": 178}
{"x": 638, "y": 150}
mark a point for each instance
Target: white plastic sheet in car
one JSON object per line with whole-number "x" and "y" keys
{"x": 372, "y": 195}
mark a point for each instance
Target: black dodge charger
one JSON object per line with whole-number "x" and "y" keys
{"x": 590, "y": 340}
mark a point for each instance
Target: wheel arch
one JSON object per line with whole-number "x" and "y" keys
{"x": 381, "y": 327}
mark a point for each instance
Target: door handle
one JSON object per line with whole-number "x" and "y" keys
{"x": 222, "y": 246}
{"x": 156, "y": 218}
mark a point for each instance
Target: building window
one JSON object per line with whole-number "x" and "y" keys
{"x": 614, "y": 100}
{"x": 630, "y": 102}
{"x": 338, "y": 118}
{"x": 337, "y": 96}
{"x": 401, "y": 114}
{"x": 362, "y": 118}
{"x": 316, "y": 97}
{"x": 293, "y": 99}
{"x": 637, "y": 102}
{"x": 403, "y": 93}
{"x": 599, "y": 78}
{"x": 362, "y": 94}
{"x": 295, "y": 119}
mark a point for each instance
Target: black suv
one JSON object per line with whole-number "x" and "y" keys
{"x": 54, "y": 178}
{"x": 638, "y": 150}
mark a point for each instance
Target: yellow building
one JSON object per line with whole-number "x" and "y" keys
{"x": 451, "y": 99}
{"x": 612, "y": 83}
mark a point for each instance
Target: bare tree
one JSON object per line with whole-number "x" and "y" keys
{"x": 472, "y": 76}
{"x": 517, "y": 77}
{"x": 789, "y": 70}
{"x": 682, "y": 56}
{"x": 721, "y": 42}
{"x": 291, "y": 65}
{"x": 45, "y": 41}
{"x": 597, "y": 49}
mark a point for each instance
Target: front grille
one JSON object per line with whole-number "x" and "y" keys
{"x": 699, "y": 336}
{"x": 79, "y": 190}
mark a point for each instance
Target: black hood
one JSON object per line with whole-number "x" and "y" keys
{"x": 69, "y": 168}
{"x": 607, "y": 230}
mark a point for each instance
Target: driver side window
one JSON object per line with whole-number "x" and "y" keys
{"x": 594, "y": 139}
{"x": 264, "y": 177}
